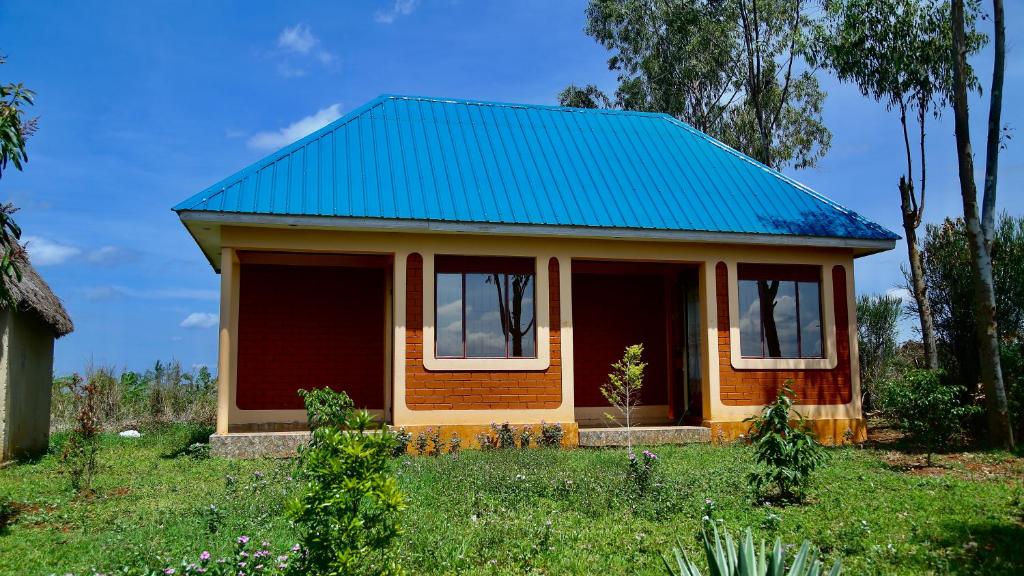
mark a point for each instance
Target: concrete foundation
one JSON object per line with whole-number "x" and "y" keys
{"x": 644, "y": 436}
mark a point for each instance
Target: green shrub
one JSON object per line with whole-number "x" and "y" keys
{"x": 551, "y": 435}
{"x": 925, "y": 406}
{"x": 787, "y": 455}
{"x": 78, "y": 456}
{"x": 348, "y": 510}
{"x": 8, "y": 513}
{"x": 729, "y": 560}
{"x": 622, "y": 389}
{"x": 326, "y": 407}
{"x": 402, "y": 440}
{"x": 641, "y": 469}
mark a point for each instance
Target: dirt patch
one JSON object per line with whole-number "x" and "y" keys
{"x": 120, "y": 491}
{"x": 966, "y": 465}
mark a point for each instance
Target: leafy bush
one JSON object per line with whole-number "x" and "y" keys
{"x": 348, "y": 511}
{"x": 326, "y": 407}
{"x": 927, "y": 407}
{"x": 421, "y": 443}
{"x": 436, "y": 444}
{"x": 641, "y": 469}
{"x": 78, "y": 456}
{"x": 402, "y": 440}
{"x": 728, "y": 560}
{"x": 504, "y": 435}
{"x": 525, "y": 437}
{"x": 877, "y": 319}
{"x": 551, "y": 435}
{"x": 787, "y": 455}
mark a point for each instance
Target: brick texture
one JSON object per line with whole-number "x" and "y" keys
{"x": 477, "y": 390}
{"x": 310, "y": 327}
{"x": 758, "y": 387}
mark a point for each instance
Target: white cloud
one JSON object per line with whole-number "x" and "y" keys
{"x": 295, "y": 130}
{"x": 902, "y": 293}
{"x": 111, "y": 255}
{"x": 200, "y": 320}
{"x": 297, "y": 48}
{"x": 297, "y": 38}
{"x": 43, "y": 252}
{"x": 398, "y": 8}
{"x": 111, "y": 291}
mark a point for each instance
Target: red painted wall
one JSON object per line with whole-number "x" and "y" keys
{"x": 610, "y": 312}
{"x": 757, "y": 387}
{"x": 310, "y": 327}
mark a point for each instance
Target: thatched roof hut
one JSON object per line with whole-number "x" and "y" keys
{"x": 33, "y": 294}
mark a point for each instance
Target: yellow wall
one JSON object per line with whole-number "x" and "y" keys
{"x": 401, "y": 244}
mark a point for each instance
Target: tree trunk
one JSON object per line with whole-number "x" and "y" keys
{"x": 924, "y": 307}
{"x": 1000, "y": 431}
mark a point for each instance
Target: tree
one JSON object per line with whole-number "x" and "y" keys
{"x": 896, "y": 51}
{"x": 877, "y": 317}
{"x": 622, "y": 389}
{"x": 14, "y": 132}
{"x": 980, "y": 225}
{"x": 727, "y": 67}
{"x": 588, "y": 96}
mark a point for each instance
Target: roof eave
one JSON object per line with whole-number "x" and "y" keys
{"x": 191, "y": 218}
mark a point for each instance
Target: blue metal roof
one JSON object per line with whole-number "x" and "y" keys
{"x": 440, "y": 159}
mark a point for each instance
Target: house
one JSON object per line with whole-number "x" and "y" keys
{"x": 456, "y": 263}
{"x": 27, "y": 333}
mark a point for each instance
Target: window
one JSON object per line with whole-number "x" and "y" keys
{"x": 484, "y": 307}
{"x": 780, "y": 311}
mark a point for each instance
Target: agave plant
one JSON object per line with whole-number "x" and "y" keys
{"x": 728, "y": 560}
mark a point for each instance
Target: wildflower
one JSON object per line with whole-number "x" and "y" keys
{"x": 243, "y": 540}
{"x": 282, "y": 558}
{"x": 204, "y": 556}
{"x": 168, "y": 571}
{"x": 296, "y": 548}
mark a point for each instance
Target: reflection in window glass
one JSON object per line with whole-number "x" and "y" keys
{"x": 810, "y": 320}
{"x": 750, "y": 319}
{"x": 522, "y": 342}
{"x": 449, "y": 315}
{"x": 484, "y": 314}
{"x": 780, "y": 319}
{"x": 485, "y": 297}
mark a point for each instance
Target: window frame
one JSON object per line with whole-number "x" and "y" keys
{"x": 502, "y": 266}
{"x": 798, "y": 271}
{"x": 796, "y": 275}
{"x": 540, "y": 263}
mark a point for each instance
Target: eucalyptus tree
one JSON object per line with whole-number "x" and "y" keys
{"x": 14, "y": 131}
{"x": 897, "y": 52}
{"x": 981, "y": 223}
{"x": 734, "y": 69}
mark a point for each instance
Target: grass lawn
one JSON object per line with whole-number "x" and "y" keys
{"x": 526, "y": 512}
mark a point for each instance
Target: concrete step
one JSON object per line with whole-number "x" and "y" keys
{"x": 645, "y": 436}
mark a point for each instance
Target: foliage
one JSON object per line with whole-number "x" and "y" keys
{"x": 348, "y": 510}
{"x": 471, "y": 516}
{"x": 622, "y": 389}
{"x": 421, "y": 443}
{"x": 787, "y": 455}
{"x": 926, "y": 406}
{"x": 551, "y": 435}
{"x": 8, "y": 513}
{"x": 402, "y": 440}
{"x": 163, "y": 394}
{"x": 744, "y": 560}
{"x": 588, "y": 96}
{"x": 82, "y": 446}
{"x": 877, "y": 325}
{"x": 641, "y": 469}
{"x": 727, "y": 67}
{"x": 248, "y": 560}
{"x": 951, "y": 287}
{"x": 454, "y": 444}
{"x": 326, "y": 407}
{"x": 525, "y": 437}
{"x": 504, "y": 435}
{"x": 14, "y": 132}
{"x": 436, "y": 445}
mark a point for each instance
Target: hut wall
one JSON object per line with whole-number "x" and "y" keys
{"x": 26, "y": 379}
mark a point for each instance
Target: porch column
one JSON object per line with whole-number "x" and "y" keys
{"x": 228, "y": 343}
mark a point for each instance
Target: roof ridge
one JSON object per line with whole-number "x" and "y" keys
{"x": 773, "y": 172}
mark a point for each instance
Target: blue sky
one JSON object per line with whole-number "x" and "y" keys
{"x": 143, "y": 104}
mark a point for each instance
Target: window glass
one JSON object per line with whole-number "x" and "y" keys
{"x": 521, "y": 325}
{"x": 449, "y": 315}
{"x": 485, "y": 307}
{"x": 750, "y": 319}
{"x": 810, "y": 320}
{"x": 779, "y": 318}
{"x": 485, "y": 301}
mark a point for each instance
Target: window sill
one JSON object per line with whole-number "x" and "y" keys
{"x": 784, "y": 363}
{"x": 486, "y": 364}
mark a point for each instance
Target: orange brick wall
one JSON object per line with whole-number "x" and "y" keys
{"x": 476, "y": 390}
{"x": 758, "y": 387}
